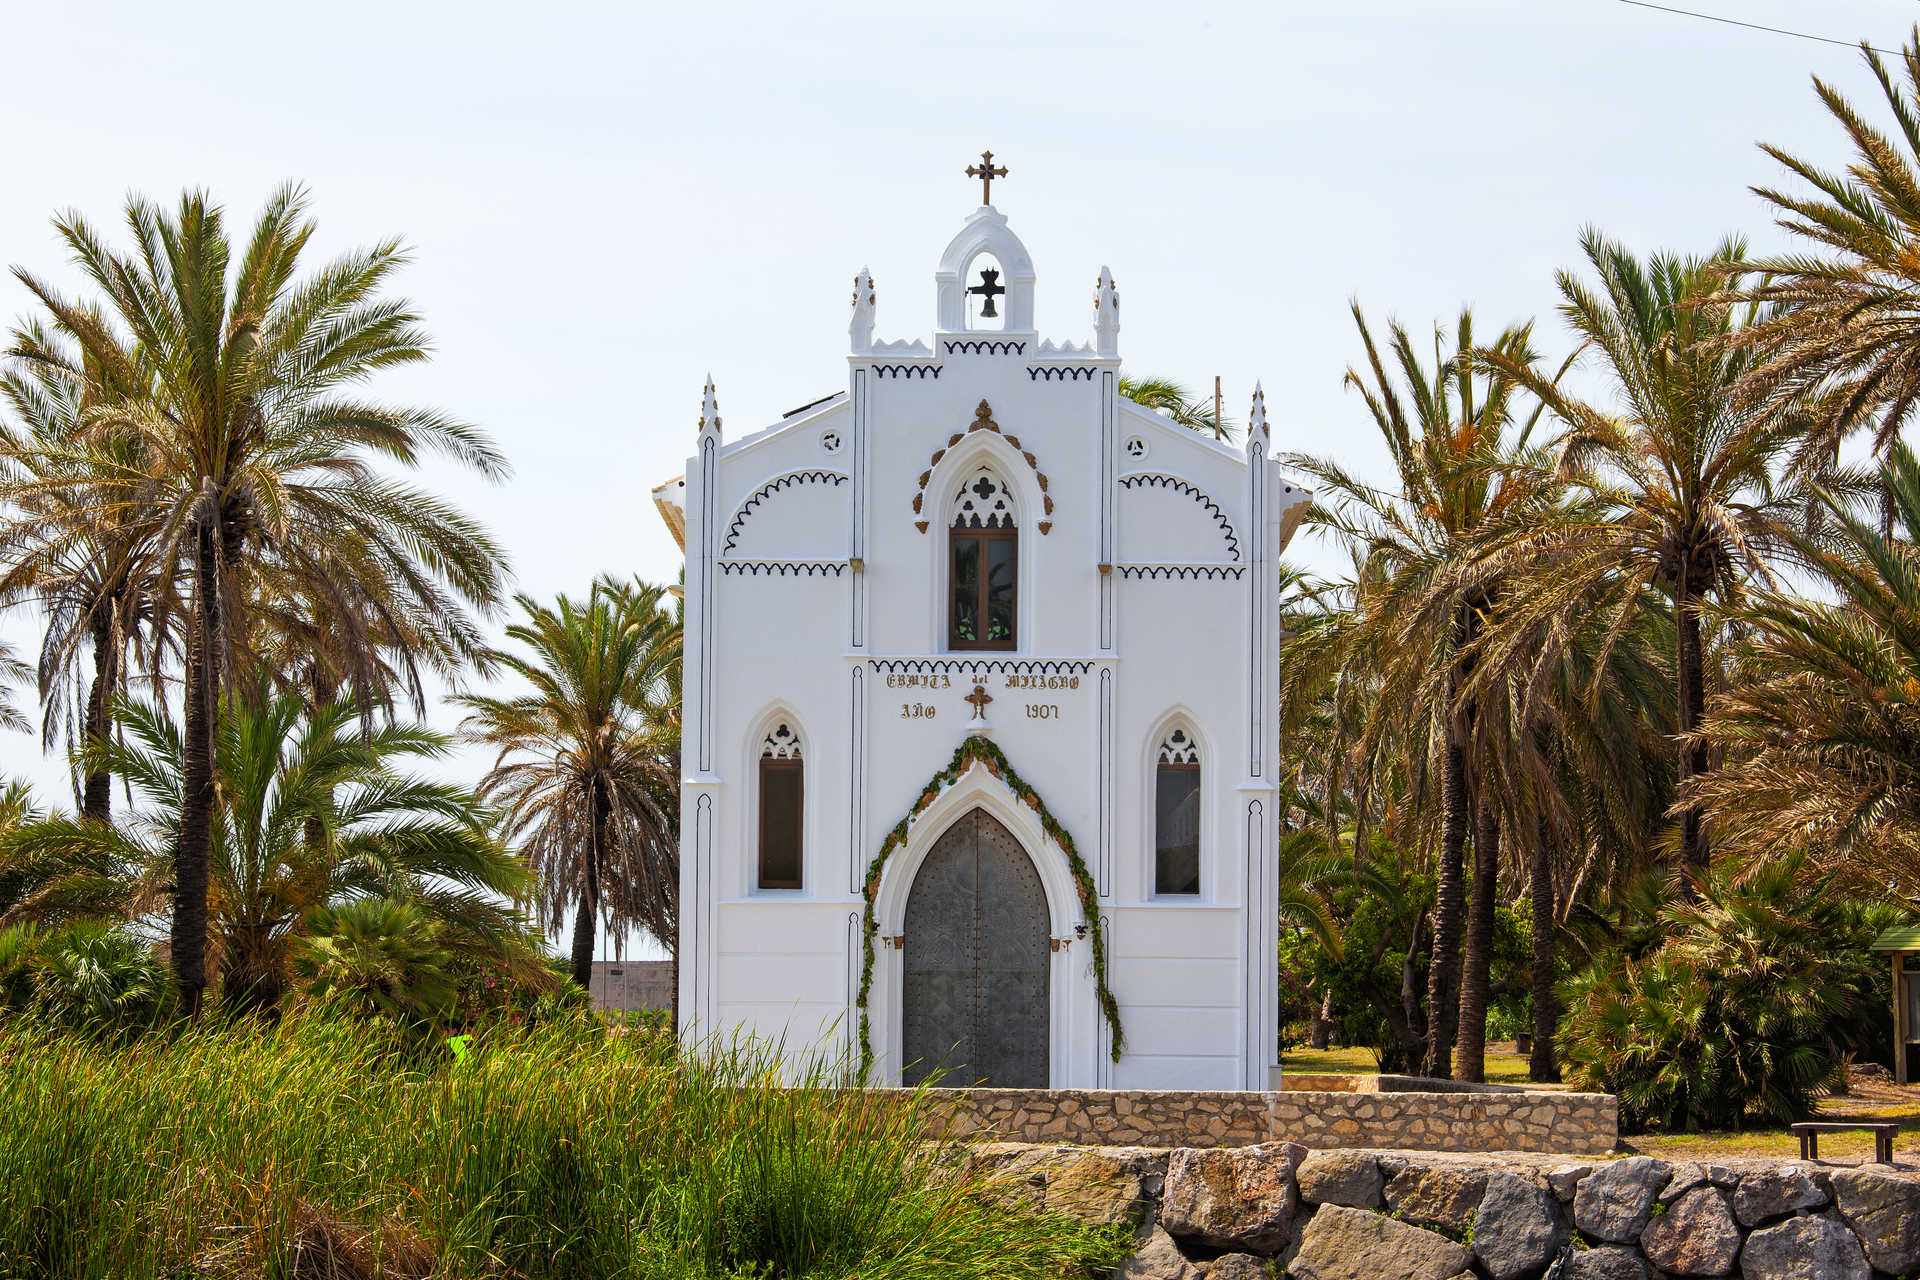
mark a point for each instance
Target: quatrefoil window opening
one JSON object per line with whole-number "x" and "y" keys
{"x": 830, "y": 441}
{"x": 782, "y": 744}
{"x": 1136, "y": 447}
{"x": 983, "y": 503}
{"x": 1179, "y": 747}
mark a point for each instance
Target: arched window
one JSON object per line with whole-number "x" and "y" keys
{"x": 983, "y": 565}
{"x": 782, "y": 794}
{"x": 1176, "y": 815}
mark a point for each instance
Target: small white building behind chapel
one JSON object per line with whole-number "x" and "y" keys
{"x": 980, "y": 711}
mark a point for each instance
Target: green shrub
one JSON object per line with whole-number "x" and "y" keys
{"x": 375, "y": 957}
{"x": 1758, "y": 992}
{"x": 556, "y": 1151}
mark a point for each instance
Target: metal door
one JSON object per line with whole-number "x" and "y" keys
{"x": 977, "y": 947}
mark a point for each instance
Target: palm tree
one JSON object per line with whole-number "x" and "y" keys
{"x": 1817, "y": 727}
{"x": 77, "y": 533}
{"x": 1677, "y": 489}
{"x": 1173, "y": 400}
{"x": 1842, "y": 347}
{"x": 228, "y": 379}
{"x": 281, "y": 766}
{"x": 1461, "y": 459}
{"x": 588, "y": 763}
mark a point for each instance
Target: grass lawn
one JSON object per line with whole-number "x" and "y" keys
{"x": 1503, "y": 1065}
{"x": 1870, "y": 1100}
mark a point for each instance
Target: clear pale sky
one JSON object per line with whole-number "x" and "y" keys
{"x": 606, "y": 202}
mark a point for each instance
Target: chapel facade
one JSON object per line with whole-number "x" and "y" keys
{"x": 980, "y": 711}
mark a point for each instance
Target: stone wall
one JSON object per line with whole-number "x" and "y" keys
{"x": 1279, "y": 1209}
{"x": 1578, "y": 1123}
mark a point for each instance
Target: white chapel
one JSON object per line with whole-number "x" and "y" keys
{"x": 980, "y": 710}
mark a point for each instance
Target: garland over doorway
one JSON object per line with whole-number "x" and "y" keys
{"x": 984, "y": 752}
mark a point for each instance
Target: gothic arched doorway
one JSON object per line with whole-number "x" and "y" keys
{"x": 977, "y": 947}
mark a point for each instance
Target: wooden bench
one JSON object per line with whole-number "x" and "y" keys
{"x": 1883, "y": 1133}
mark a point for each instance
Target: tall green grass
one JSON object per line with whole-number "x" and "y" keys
{"x": 328, "y": 1149}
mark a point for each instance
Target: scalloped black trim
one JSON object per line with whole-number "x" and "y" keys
{"x": 1003, "y": 666}
{"x": 1061, "y": 373}
{"x": 906, "y": 371}
{"x": 1157, "y": 480}
{"x": 781, "y": 568}
{"x": 835, "y": 478}
{"x": 1184, "y": 571}
{"x": 987, "y": 346}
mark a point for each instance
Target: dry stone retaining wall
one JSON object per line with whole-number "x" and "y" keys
{"x": 1577, "y": 1123}
{"x": 1278, "y": 1209}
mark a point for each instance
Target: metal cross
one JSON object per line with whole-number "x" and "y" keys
{"x": 988, "y": 288}
{"x": 986, "y": 171}
{"x": 979, "y": 699}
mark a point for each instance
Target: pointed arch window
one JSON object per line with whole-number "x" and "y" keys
{"x": 782, "y": 808}
{"x": 1176, "y": 816}
{"x": 983, "y": 565}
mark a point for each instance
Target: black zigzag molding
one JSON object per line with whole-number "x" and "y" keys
{"x": 1061, "y": 373}
{"x": 770, "y": 488}
{"x": 1213, "y": 572}
{"x": 783, "y": 568}
{"x": 988, "y": 346}
{"x": 1005, "y": 666}
{"x": 906, "y": 371}
{"x": 1157, "y": 481}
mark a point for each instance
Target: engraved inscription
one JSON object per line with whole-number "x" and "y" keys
{"x": 918, "y": 680}
{"x": 916, "y": 711}
{"x": 1043, "y": 682}
{"x": 1043, "y": 711}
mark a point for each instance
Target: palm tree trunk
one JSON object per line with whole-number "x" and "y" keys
{"x": 1443, "y": 973}
{"x": 97, "y": 793}
{"x": 188, "y": 942}
{"x": 585, "y": 924}
{"x": 1476, "y": 968}
{"x": 1692, "y": 699}
{"x": 1542, "y": 1068}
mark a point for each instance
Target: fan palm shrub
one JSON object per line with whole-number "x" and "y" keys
{"x": 376, "y": 957}
{"x": 231, "y": 381}
{"x": 284, "y": 770}
{"x": 1759, "y": 991}
{"x": 587, "y": 770}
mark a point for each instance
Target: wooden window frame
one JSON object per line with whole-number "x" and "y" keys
{"x": 794, "y": 765}
{"x": 1180, "y": 766}
{"x": 984, "y": 535}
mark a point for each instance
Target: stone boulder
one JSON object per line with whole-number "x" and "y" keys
{"x": 1884, "y": 1210}
{"x": 1814, "y": 1248}
{"x": 1696, "y": 1236}
{"x": 1614, "y": 1203}
{"x": 1096, "y": 1185}
{"x": 1775, "y": 1192}
{"x": 1443, "y": 1197}
{"x": 1564, "y": 1179}
{"x": 1242, "y": 1198}
{"x": 1158, "y": 1258}
{"x": 1519, "y": 1227}
{"x": 1350, "y": 1178}
{"x": 1608, "y": 1262}
{"x": 1238, "y": 1266}
{"x": 1339, "y": 1243}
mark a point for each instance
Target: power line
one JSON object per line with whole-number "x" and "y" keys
{"x": 1755, "y": 26}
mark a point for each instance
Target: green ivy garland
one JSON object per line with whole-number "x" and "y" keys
{"x": 984, "y": 751}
